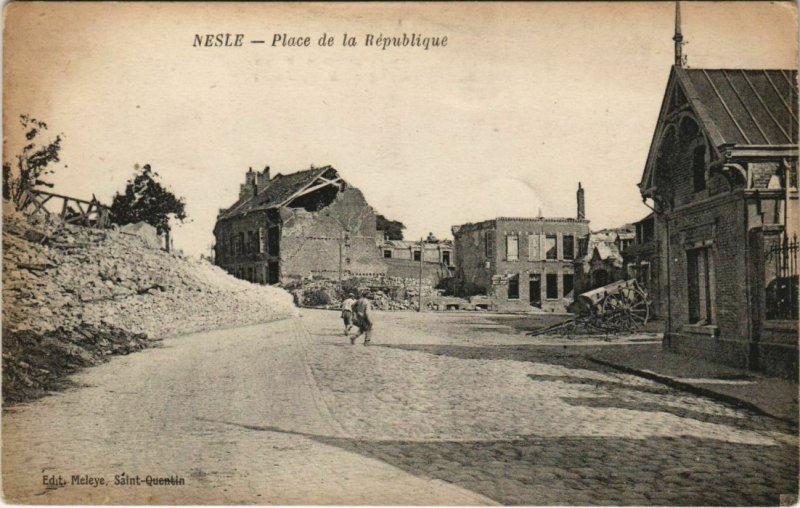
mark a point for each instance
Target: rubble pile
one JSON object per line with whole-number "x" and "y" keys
{"x": 36, "y": 363}
{"x": 62, "y": 282}
{"x": 385, "y": 293}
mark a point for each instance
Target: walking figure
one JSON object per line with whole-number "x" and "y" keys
{"x": 347, "y": 313}
{"x": 362, "y": 318}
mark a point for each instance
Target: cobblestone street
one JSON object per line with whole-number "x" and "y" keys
{"x": 464, "y": 399}
{"x": 442, "y": 409}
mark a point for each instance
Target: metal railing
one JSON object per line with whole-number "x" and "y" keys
{"x": 782, "y": 298}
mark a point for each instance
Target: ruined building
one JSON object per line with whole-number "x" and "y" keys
{"x": 602, "y": 261}
{"x": 309, "y": 223}
{"x": 642, "y": 261}
{"x": 721, "y": 175}
{"x": 522, "y": 264}
{"x": 404, "y": 257}
{"x": 433, "y": 250}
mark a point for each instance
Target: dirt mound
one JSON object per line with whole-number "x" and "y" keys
{"x": 62, "y": 282}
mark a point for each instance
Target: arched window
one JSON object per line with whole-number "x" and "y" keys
{"x": 699, "y": 168}
{"x": 693, "y": 141}
{"x": 666, "y": 158}
{"x": 689, "y": 131}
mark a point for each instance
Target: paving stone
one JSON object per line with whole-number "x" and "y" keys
{"x": 433, "y": 401}
{"x": 513, "y": 433}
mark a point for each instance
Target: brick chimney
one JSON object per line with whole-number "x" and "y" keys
{"x": 581, "y": 203}
{"x": 262, "y": 179}
{"x": 248, "y": 188}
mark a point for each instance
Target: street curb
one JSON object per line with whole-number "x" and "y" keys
{"x": 696, "y": 390}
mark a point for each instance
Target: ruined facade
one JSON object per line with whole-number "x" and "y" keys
{"x": 402, "y": 259}
{"x": 438, "y": 251}
{"x": 722, "y": 177}
{"x": 601, "y": 262}
{"x": 522, "y": 264}
{"x": 304, "y": 224}
{"x": 642, "y": 262}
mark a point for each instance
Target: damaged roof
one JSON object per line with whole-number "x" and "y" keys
{"x": 604, "y": 251}
{"x": 279, "y": 190}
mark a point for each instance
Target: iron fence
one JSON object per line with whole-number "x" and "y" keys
{"x": 782, "y": 297}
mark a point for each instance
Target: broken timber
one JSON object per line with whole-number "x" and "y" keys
{"x": 73, "y": 210}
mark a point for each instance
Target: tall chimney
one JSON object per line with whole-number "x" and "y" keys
{"x": 248, "y": 188}
{"x": 581, "y": 203}
{"x": 262, "y": 179}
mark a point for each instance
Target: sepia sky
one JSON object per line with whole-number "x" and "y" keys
{"x": 525, "y": 101}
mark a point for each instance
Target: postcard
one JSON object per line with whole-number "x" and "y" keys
{"x": 406, "y": 253}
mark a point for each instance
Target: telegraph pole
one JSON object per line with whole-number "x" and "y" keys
{"x": 341, "y": 241}
{"x": 421, "y": 260}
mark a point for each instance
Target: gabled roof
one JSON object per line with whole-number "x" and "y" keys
{"x": 735, "y": 107}
{"x": 279, "y": 190}
{"x": 605, "y": 251}
{"x": 747, "y": 107}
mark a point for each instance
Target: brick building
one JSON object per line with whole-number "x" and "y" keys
{"x": 722, "y": 177}
{"x": 642, "y": 261}
{"x": 309, "y": 223}
{"x": 522, "y": 264}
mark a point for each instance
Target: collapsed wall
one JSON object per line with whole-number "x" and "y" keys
{"x": 73, "y": 296}
{"x": 341, "y": 234}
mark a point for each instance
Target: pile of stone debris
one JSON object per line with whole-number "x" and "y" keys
{"x": 73, "y": 295}
{"x": 385, "y": 293}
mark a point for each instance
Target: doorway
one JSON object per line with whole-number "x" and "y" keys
{"x": 273, "y": 270}
{"x": 535, "y": 286}
{"x": 600, "y": 278}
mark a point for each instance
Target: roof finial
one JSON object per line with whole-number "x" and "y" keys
{"x": 678, "y": 37}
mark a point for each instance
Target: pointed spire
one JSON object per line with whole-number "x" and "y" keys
{"x": 678, "y": 37}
